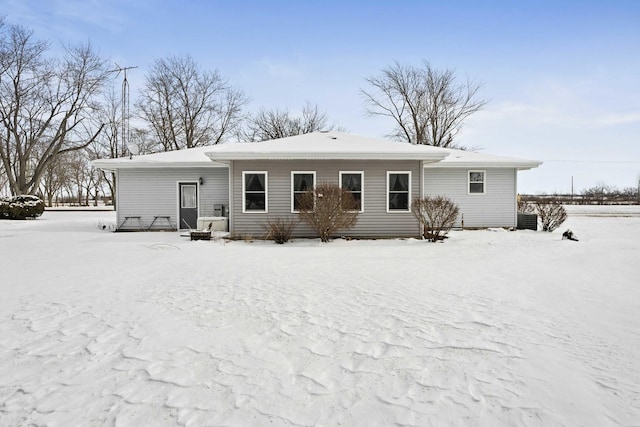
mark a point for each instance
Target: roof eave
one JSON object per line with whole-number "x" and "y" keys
{"x": 529, "y": 166}
{"x": 222, "y": 157}
{"x": 510, "y": 165}
{"x": 112, "y": 166}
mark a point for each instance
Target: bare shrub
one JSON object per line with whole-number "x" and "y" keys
{"x": 280, "y": 229}
{"x": 551, "y": 214}
{"x": 436, "y": 214}
{"x": 328, "y": 209}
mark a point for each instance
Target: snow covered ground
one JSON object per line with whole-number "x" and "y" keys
{"x": 490, "y": 328}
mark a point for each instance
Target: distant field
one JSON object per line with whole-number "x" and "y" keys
{"x": 604, "y": 210}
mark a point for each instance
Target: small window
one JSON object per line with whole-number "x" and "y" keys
{"x": 398, "y": 191}
{"x": 476, "y": 182}
{"x": 254, "y": 187}
{"x": 301, "y": 182}
{"x": 352, "y": 182}
{"x": 189, "y": 196}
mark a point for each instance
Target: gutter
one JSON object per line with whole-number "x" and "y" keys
{"x": 113, "y": 166}
{"x": 226, "y": 157}
{"x": 510, "y": 165}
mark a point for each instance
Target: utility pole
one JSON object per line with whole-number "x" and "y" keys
{"x": 124, "y": 104}
{"x": 571, "y": 188}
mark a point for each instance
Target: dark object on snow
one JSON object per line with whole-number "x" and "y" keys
{"x": 569, "y": 236}
{"x": 527, "y": 221}
{"x": 200, "y": 235}
{"x": 434, "y": 237}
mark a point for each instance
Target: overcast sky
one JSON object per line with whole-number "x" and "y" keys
{"x": 562, "y": 77}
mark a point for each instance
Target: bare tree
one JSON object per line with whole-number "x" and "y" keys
{"x": 54, "y": 178}
{"x": 186, "y": 106}
{"x": 598, "y": 193}
{"x": 72, "y": 171}
{"x": 78, "y": 174}
{"x": 4, "y": 181}
{"x": 273, "y": 124}
{"x": 93, "y": 184}
{"x": 44, "y": 104}
{"x": 629, "y": 193}
{"x": 109, "y": 144}
{"x": 428, "y": 105}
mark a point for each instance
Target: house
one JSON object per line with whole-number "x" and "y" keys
{"x": 251, "y": 182}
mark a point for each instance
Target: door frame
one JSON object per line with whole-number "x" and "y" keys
{"x": 178, "y": 201}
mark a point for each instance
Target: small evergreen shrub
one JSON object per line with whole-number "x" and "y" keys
{"x": 436, "y": 214}
{"x": 280, "y": 229}
{"x": 21, "y": 207}
{"x": 551, "y": 214}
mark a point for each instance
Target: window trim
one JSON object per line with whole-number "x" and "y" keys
{"x": 484, "y": 182}
{"x": 292, "y": 189}
{"x": 266, "y": 192}
{"x": 361, "y": 173}
{"x": 394, "y": 211}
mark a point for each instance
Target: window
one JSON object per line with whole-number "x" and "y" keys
{"x": 188, "y": 196}
{"x": 301, "y": 182}
{"x": 476, "y": 182}
{"x": 398, "y": 191}
{"x": 254, "y": 188}
{"x": 352, "y": 182}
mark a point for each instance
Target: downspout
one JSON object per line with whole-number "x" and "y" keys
{"x": 117, "y": 201}
{"x": 515, "y": 197}
{"x": 422, "y": 179}
{"x": 231, "y": 197}
{"x": 421, "y": 186}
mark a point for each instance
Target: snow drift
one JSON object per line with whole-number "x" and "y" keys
{"x": 490, "y": 328}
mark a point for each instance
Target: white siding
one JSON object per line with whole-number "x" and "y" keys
{"x": 373, "y": 222}
{"x": 495, "y": 208}
{"x": 154, "y": 192}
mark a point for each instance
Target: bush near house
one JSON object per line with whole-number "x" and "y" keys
{"x": 552, "y": 214}
{"x": 21, "y": 207}
{"x": 328, "y": 209}
{"x": 280, "y": 229}
{"x": 436, "y": 215}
